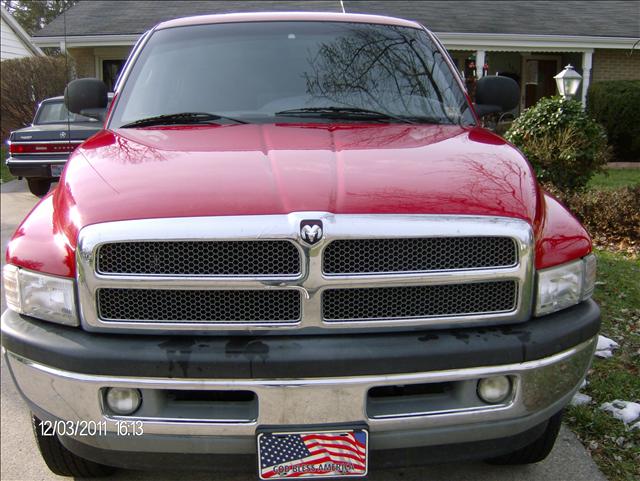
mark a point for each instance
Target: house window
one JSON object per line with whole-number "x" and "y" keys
{"x": 110, "y": 71}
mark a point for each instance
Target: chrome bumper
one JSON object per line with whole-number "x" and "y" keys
{"x": 541, "y": 388}
{"x": 45, "y": 159}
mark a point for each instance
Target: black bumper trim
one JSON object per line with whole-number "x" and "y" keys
{"x": 303, "y": 356}
{"x": 41, "y": 169}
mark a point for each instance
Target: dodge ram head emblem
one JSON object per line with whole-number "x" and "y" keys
{"x": 311, "y": 231}
{"x": 63, "y": 135}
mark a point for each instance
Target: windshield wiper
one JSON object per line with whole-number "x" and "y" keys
{"x": 180, "y": 118}
{"x": 350, "y": 113}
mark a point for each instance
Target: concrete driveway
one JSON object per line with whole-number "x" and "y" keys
{"x": 21, "y": 460}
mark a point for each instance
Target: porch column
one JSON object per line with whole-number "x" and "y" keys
{"x": 480, "y": 57}
{"x": 586, "y": 75}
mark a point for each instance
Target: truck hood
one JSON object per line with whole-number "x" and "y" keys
{"x": 282, "y": 168}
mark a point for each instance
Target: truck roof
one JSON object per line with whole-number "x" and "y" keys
{"x": 287, "y": 17}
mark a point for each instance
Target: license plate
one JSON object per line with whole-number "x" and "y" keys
{"x": 56, "y": 170}
{"x": 313, "y": 454}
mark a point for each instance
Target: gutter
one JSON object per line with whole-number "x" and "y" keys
{"x": 451, "y": 40}
{"x": 497, "y": 42}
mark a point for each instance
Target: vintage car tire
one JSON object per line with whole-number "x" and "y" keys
{"x": 39, "y": 187}
{"x": 538, "y": 450}
{"x": 63, "y": 462}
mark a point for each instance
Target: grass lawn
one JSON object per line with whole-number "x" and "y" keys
{"x": 615, "y": 448}
{"x": 5, "y": 175}
{"x": 615, "y": 178}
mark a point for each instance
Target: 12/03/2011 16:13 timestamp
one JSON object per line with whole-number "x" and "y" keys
{"x": 90, "y": 428}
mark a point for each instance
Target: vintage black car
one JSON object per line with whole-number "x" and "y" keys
{"x": 39, "y": 152}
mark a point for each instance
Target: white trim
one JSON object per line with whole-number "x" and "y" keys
{"x": 525, "y": 42}
{"x": 452, "y": 40}
{"x": 480, "y": 59}
{"x": 587, "y": 58}
{"x": 88, "y": 40}
{"x": 20, "y": 32}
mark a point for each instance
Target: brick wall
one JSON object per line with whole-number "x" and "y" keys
{"x": 615, "y": 65}
{"x": 85, "y": 61}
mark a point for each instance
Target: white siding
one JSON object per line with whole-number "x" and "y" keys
{"x": 10, "y": 45}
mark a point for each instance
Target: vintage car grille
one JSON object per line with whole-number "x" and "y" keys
{"x": 418, "y": 301}
{"x": 415, "y": 255}
{"x": 226, "y": 258}
{"x": 256, "y": 273}
{"x": 199, "y": 305}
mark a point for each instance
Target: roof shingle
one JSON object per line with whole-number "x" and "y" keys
{"x": 604, "y": 18}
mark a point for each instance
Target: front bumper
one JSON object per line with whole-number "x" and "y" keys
{"x": 542, "y": 385}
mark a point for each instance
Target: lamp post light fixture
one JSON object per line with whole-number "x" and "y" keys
{"x": 568, "y": 82}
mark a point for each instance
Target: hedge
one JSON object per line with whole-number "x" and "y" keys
{"x": 25, "y": 82}
{"x": 615, "y": 104}
{"x": 562, "y": 142}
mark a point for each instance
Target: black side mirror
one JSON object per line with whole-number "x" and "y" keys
{"x": 495, "y": 94}
{"x": 88, "y": 97}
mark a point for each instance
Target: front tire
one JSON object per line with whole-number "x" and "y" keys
{"x": 38, "y": 186}
{"x": 63, "y": 462}
{"x": 537, "y": 450}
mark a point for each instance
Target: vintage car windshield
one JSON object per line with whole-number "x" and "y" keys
{"x": 56, "y": 112}
{"x": 261, "y": 71}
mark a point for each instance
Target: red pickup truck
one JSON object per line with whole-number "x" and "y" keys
{"x": 294, "y": 249}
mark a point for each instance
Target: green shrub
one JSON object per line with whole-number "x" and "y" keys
{"x": 564, "y": 145}
{"x": 613, "y": 214}
{"x": 616, "y": 105}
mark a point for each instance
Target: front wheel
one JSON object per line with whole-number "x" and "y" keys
{"x": 63, "y": 462}
{"x": 39, "y": 187}
{"x": 537, "y": 450}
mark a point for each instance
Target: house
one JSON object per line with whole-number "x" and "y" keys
{"x": 14, "y": 41}
{"x": 529, "y": 41}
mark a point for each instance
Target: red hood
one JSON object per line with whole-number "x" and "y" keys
{"x": 276, "y": 169}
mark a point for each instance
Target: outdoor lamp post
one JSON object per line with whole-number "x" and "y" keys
{"x": 568, "y": 81}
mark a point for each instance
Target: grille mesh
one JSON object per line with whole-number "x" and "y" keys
{"x": 225, "y": 258}
{"x": 416, "y": 255}
{"x": 418, "y": 301}
{"x": 199, "y": 305}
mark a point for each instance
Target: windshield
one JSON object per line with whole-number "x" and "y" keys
{"x": 284, "y": 71}
{"x": 56, "y": 112}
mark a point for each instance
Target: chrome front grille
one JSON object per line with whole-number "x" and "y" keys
{"x": 419, "y": 301}
{"x": 200, "y": 258}
{"x": 354, "y": 256}
{"x": 148, "y": 305}
{"x": 256, "y": 273}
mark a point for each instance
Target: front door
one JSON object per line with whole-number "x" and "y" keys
{"x": 110, "y": 71}
{"x": 540, "y": 83}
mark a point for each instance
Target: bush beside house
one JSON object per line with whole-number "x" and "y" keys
{"x": 562, "y": 142}
{"x": 25, "y": 82}
{"x": 616, "y": 105}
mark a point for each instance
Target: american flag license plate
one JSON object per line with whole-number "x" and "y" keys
{"x": 312, "y": 454}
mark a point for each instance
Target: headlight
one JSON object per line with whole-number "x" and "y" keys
{"x": 38, "y": 295}
{"x": 566, "y": 285}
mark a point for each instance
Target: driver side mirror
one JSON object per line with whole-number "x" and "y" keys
{"x": 495, "y": 94}
{"x": 88, "y": 97}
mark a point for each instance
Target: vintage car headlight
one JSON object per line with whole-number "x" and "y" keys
{"x": 565, "y": 285}
{"x": 43, "y": 296}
